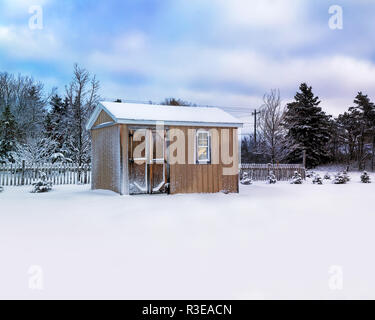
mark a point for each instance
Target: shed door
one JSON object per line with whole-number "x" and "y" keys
{"x": 147, "y": 163}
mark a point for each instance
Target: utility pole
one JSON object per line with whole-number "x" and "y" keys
{"x": 255, "y": 113}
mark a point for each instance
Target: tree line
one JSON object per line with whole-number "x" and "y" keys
{"x": 287, "y": 131}
{"x": 50, "y": 127}
{"x": 36, "y": 126}
{"x": 39, "y": 127}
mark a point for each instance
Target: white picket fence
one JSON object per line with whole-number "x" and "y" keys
{"x": 26, "y": 174}
{"x": 283, "y": 172}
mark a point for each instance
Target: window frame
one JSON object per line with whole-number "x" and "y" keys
{"x": 208, "y": 159}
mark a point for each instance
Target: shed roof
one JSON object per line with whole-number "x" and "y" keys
{"x": 133, "y": 113}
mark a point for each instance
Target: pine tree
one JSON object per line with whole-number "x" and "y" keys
{"x": 364, "y": 115}
{"x": 56, "y": 123}
{"x": 365, "y": 178}
{"x": 308, "y": 128}
{"x": 42, "y": 185}
{"x": 340, "y": 178}
{"x": 317, "y": 179}
{"x": 297, "y": 178}
{"x": 33, "y": 109}
{"x": 8, "y": 129}
{"x": 348, "y": 126}
{"x": 327, "y": 176}
{"x": 346, "y": 176}
{"x": 246, "y": 180}
{"x": 271, "y": 179}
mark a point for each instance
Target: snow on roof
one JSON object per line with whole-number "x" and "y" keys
{"x": 133, "y": 113}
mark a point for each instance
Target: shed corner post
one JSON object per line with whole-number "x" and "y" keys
{"x": 92, "y": 182}
{"x": 124, "y": 160}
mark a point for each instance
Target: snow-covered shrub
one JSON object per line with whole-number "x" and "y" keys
{"x": 246, "y": 180}
{"x": 296, "y": 179}
{"x": 34, "y": 150}
{"x": 310, "y": 174}
{"x": 340, "y": 178}
{"x": 317, "y": 179}
{"x": 60, "y": 158}
{"x": 365, "y": 178}
{"x": 327, "y": 176}
{"x": 42, "y": 185}
{"x": 1, "y": 189}
{"x": 346, "y": 176}
{"x": 271, "y": 179}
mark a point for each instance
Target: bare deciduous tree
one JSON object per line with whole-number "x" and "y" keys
{"x": 82, "y": 96}
{"x": 270, "y": 125}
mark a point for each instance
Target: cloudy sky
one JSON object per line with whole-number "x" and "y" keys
{"x": 210, "y": 52}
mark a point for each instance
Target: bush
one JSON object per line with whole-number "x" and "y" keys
{"x": 296, "y": 179}
{"x": 271, "y": 179}
{"x": 246, "y": 180}
{"x": 327, "y": 176}
{"x": 365, "y": 178}
{"x": 310, "y": 174}
{"x": 340, "y": 178}
{"x": 42, "y": 185}
{"x": 1, "y": 189}
{"x": 346, "y": 176}
{"x": 317, "y": 179}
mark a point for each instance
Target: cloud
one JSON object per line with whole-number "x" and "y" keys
{"x": 19, "y": 8}
{"x": 221, "y": 53}
{"x": 22, "y": 42}
{"x": 260, "y": 13}
{"x": 129, "y": 42}
{"x": 233, "y": 76}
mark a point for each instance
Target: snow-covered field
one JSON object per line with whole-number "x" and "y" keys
{"x": 269, "y": 241}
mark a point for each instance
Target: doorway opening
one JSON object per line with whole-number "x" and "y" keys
{"x": 148, "y": 169}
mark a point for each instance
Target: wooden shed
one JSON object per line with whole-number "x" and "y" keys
{"x": 144, "y": 148}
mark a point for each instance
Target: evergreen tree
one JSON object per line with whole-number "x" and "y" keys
{"x": 308, "y": 128}
{"x": 365, "y": 178}
{"x": 340, "y": 178}
{"x": 56, "y": 122}
{"x": 296, "y": 178}
{"x": 317, "y": 179}
{"x": 249, "y": 153}
{"x": 271, "y": 179}
{"x": 363, "y": 113}
{"x": 246, "y": 180}
{"x": 42, "y": 185}
{"x": 327, "y": 176}
{"x": 7, "y": 135}
{"x": 348, "y": 130}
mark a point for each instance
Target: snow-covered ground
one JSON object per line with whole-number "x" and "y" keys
{"x": 269, "y": 241}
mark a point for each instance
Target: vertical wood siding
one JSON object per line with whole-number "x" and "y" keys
{"x": 103, "y": 118}
{"x": 110, "y": 159}
{"x": 204, "y": 178}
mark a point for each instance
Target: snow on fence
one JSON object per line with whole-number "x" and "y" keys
{"x": 26, "y": 174}
{"x": 283, "y": 172}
